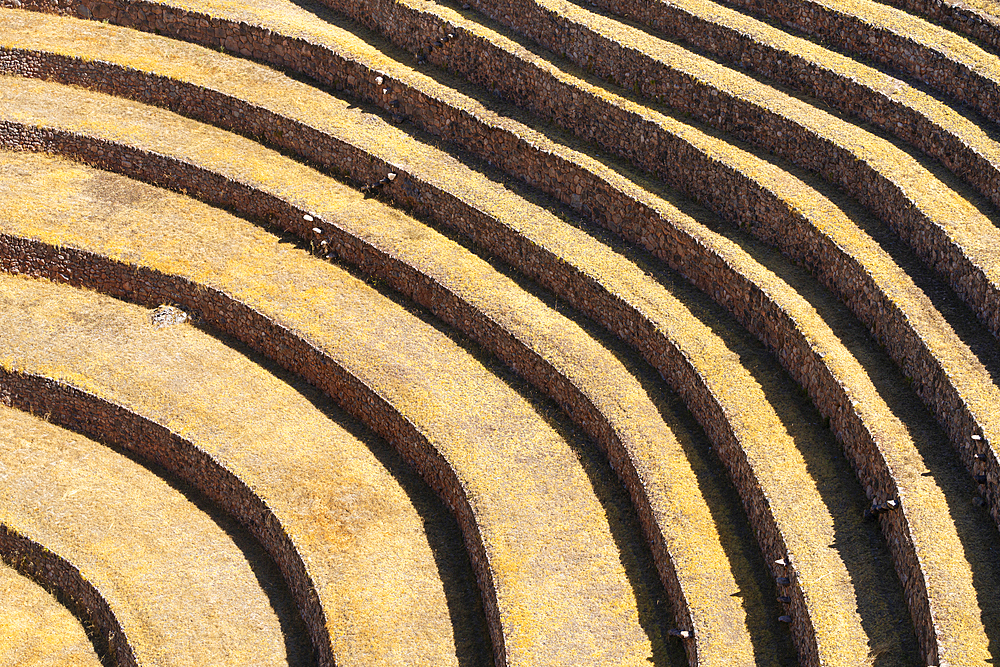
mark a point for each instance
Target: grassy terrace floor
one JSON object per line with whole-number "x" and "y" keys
{"x": 334, "y": 37}
{"x": 383, "y": 554}
{"x": 580, "y": 588}
{"x": 222, "y": 72}
{"x": 594, "y": 105}
{"x": 816, "y": 215}
{"x": 565, "y": 347}
{"x": 965, "y": 364}
{"x": 487, "y": 432}
{"x": 155, "y": 556}
{"x": 842, "y": 502}
{"x": 928, "y": 502}
{"x": 38, "y": 630}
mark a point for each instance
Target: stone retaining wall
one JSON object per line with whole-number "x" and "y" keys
{"x": 958, "y": 16}
{"x": 739, "y": 198}
{"x": 869, "y": 104}
{"x": 770, "y": 130}
{"x": 364, "y": 168}
{"x": 733, "y": 195}
{"x": 564, "y": 179}
{"x": 55, "y": 574}
{"x": 152, "y": 288}
{"x": 623, "y": 319}
{"x": 852, "y": 34}
{"x": 120, "y": 427}
{"x": 658, "y": 150}
{"x": 730, "y": 193}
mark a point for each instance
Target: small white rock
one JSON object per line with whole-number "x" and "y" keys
{"x": 165, "y": 316}
{"x": 317, "y": 230}
{"x": 307, "y": 218}
{"x": 384, "y": 91}
{"x": 378, "y": 80}
{"x": 391, "y": 176}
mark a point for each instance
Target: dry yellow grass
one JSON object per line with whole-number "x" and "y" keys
{"x": 923, "y": 33}
{"x": 824, "y": 575}
{"x": 359, "y": 527}
{"x": 37, "y": 630}
{"x": 846, "y": 67}
{"x": 967, "y": 374}
{"x": 962, "y": 223}
{"x": 801, "y": 198}
{"x": 664, "y": 468}
{"x": 563, "y": 592}
{"x": 691, "y": 535}
{"x": 181, "y": 589}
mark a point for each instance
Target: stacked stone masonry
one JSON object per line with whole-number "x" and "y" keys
{"x": 587, "y": 296}
{"x": 109, "y": 423}
{"x": 58, "y": 575}
{"x": 854, "y": 433}
{"x": 871, "y": 100}
{"x": 958, "y": 16}
{"x": 617, "y": 210}
{"x": 935, "y": 67}
{"x": 730, "y": 193}
{"x": 624, "y": 320}
{"x": 363, "y": 169}
{"x": 727, "y": 193}
{"x": 770, "y": 130}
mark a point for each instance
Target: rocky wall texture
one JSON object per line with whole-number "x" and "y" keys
{"x": 764, "y": 126}
{"x": 958, "y": 16}
{"x": 569, "y": 182}
{"x": 652, "y": 147}
{"x": 843, "y": 31}
{"x": 731, "y": 193}
{"x": 54, "y": 573}
{"x": 658, "y": 151}
{"x": 218, "y": 310}
{"x": 878, "y": 106}
{"x": 590, "y": 297}
{"x": 123, "y": 428}
{"x": 364, "y": 168}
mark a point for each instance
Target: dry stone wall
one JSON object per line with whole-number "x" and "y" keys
{"x": 216, "y": 309}
{"x": 958, "y": 16}
{"x": 618, "y": 315}
{"x": 734, "y": 195}
{"x": 567, "y": 181}
{"x": 876, "y": 106}
{"x": 123, "y": 428}
{"x": 363, "y": 169}
{"x": 56, "y": 574}
{"x": 779, "y": 135}
{"x": 728, "y": 192}
{"x": 884, "y": 46}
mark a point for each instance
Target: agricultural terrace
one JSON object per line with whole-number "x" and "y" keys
{"x": 500, "y": 333}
